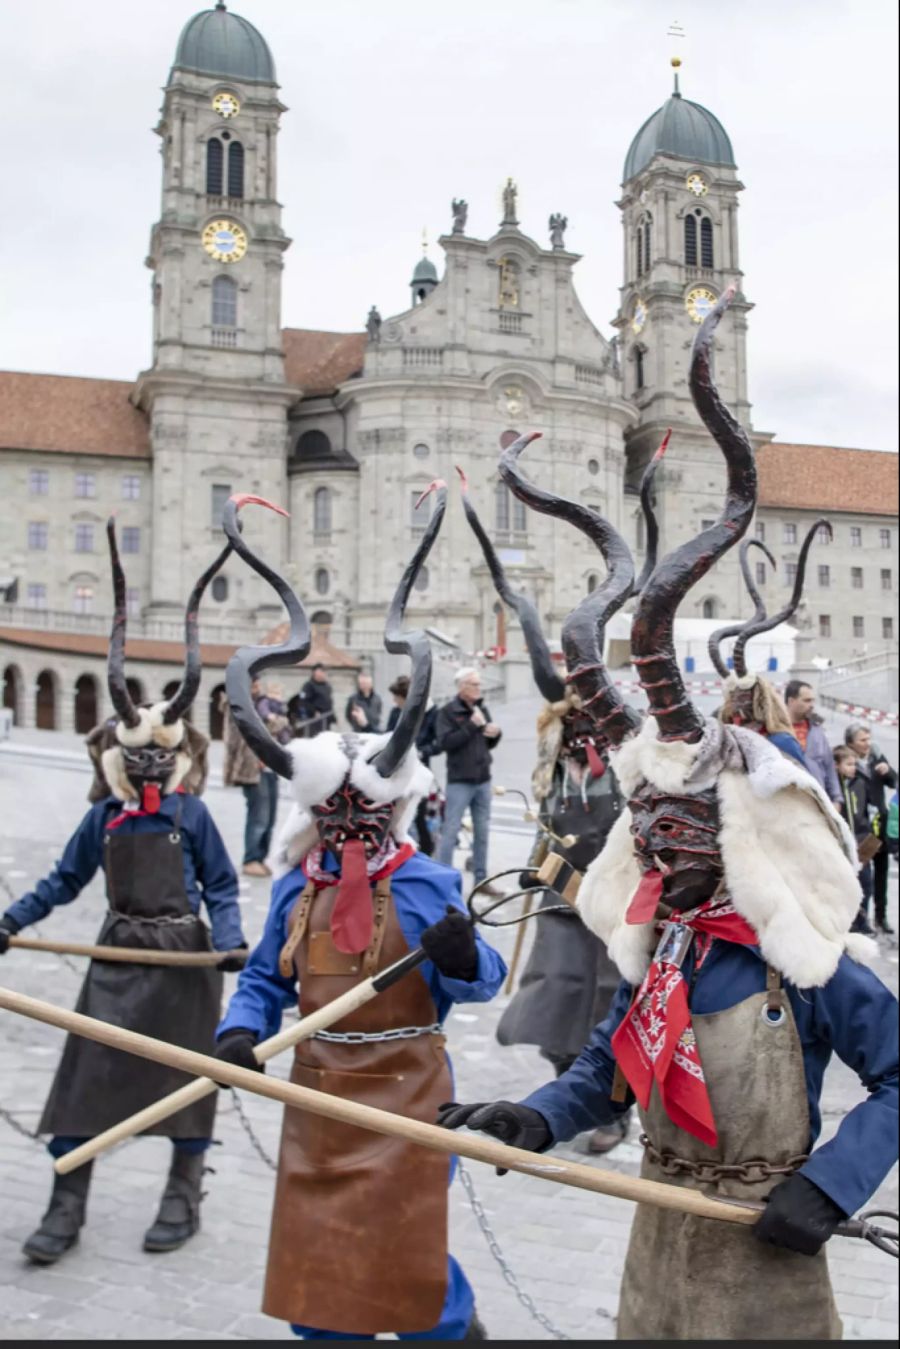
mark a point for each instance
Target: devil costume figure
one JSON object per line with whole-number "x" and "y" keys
{"x": 161, "y": 854}
{"x": 750, "y": 699}
{"x": 725, "y": 894}
{"x": 352, "y": 896}
{"x": 569, "y": 980}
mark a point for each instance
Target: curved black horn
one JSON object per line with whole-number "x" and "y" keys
{"x": 652, "y": 525}
{"x": 249, "y": 661}
{"x": 652, "y": 633}
{"x": 734, "y": 629}
{"x": 186, "y": 692}
{"x": 754, "y": 628}
{"x": 115, "y": 665}
{"x": 583, "y": 630}
{"x": 414, "y": 644}
{"x": 549, "y": 682}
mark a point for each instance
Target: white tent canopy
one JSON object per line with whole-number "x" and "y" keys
{"x": 770, "y": 651}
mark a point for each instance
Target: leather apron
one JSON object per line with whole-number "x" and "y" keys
{"x": 358, "y": 1242}
{"x": 689, "y": 1278}
{"x": 96, "y": 1087}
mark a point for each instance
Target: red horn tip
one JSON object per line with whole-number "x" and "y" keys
{"x": 463, "y": 477}
{"x": 247, "y": 499}
{"x": 664, "y": 445}
{"x": 432, "y": 487}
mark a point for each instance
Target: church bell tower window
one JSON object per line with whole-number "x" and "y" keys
{"x": 690, "y": 241}
{"x": 224, "y": 302}
{"x": 235, "y": 169}
{"x": 215, "y": 155}
{"x": 706, "y": 242}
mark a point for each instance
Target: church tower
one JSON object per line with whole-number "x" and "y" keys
{"x": 679, "y": 220}
{"x": 216, "y": 393}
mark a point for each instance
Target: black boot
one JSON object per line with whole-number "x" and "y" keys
{"x": 60, "y": 1224}
{"x": 475, "y": 1329}
{"x": 179, "y": 1210}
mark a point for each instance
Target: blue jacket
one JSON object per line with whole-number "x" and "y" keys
{"x": 208, "y": 873}
{"x": 854, "y": 1016}
{"x": 789, "y": 745}
{"x": 421, "y": 888}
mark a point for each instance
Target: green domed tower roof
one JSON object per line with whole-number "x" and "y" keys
{"x": 425, "y": 271}
{"x": 216, "y": 42}
{"x": 684, "y": 130}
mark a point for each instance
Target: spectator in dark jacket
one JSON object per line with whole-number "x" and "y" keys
{"x": 399, "y": 691}
{"x": 855, "y": 810}
{"x": 466, "y": 734}
{"x": 879, "y": 775}
{"x": 800, "y": 700}
{"x": 363, "y": 710}
{"x": 312, "y": 709}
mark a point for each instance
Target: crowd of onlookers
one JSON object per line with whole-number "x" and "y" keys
{"x": 855, "y": 775}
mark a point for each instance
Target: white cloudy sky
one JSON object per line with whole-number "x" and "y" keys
{"x": 398, "y": 105}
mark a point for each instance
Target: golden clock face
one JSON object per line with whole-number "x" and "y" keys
{"x": 639, "y": 316}
{"x": 226, "y": 105}
{"x": 698, "y": 302}
{"x": 697, "y": 185}
{"x": 224, "y": 241}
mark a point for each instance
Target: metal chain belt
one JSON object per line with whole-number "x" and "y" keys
{"x": 9, "y": 1118}
{"x": 166, "y": 920}
{"x": 362, "y": 1037}
{"x": 752, "y": 1171}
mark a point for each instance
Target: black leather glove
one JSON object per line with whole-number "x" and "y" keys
{"x": 798, "y": 1216}
{"x": 231, "y": 964}
{"x": 528, "y": 880}
{"x": 450, "y": 945}
{"x": 7, "y": 929}
{"x": 517, "y": 1125}
{"x": 236, "y": 1046}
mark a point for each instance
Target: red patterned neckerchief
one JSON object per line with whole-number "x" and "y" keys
{"x": 656, "y": 1040}
{"x": 151, "y": 800}
{"x": 352, "y": 918}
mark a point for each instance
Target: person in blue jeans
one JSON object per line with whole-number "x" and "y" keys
{"x": 465, "y": 733}
{"x": 261, "y": 795}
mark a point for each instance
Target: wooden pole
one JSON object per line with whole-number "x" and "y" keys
{"x": 517, "y": 948}
{"x": 195, "y": 1091}
{"x": 464, "y": 1144}
{"x": 133, "y": 955}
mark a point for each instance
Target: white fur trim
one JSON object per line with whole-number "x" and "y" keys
{"x": 114, "y": 771}
{"x": 178, "y": 773}
{"x": 644, "y": 758}
{"x": 862, "y": 949}
{"x": 136, "y": 737}
{"x": 604, "y": 895}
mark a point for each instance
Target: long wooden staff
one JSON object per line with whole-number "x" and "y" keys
{"x": 265, "y": 1050}
{"x": 517, "y": 948}
{"x": 466, "y": 1144}
{"x": 134, "y": 955}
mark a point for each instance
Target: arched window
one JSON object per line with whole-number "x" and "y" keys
{"x": 85, "y": 704}
{"x": 646, "y": 243}
{"x": 235, "y": 169}
{"x": 322, "y": 581}
{"x": 501, "y": 508}
{"x": 214, "y": 157}
{"x": 711, "y": 608}
{"x": 639, "y": 250}
{"x": 224, "y": 302}
{"x": 706, "y": 242}
{"x": 642, "y": 244}
{"x": 690, "y": 241}
{"x": 322, "y": 511}
{"x": 592, "y": 582}
{"x": 421, "y": 581}
{"x": 216, "y": 712}
{"x": 638, "y": 368}
{"x": 511, "y": 514}
{"x": 12, "y": 692}
{"x": 45, "y": 701}
{"x": 313, "y": 445}
{"x": 220, "y": 589}
{"x": 135, "y": 691}
{"x": 170, "y": 690}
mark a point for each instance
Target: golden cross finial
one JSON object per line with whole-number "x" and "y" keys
{"x": 676, "y": 31}
{"x": 424, "y": 239}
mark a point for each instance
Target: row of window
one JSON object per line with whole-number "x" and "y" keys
{"x": 510, "y": 515}
{"x": 85, "y": 485}
{"x": 857, "y": 576}
{"x": 224, "y": 166}
{"x": 858, "y": 625}
{"x": 790, "y": 534}
{"x": 84, "y": 540}
{"x": 82, "y": 598}
{"x": 698, "y": 242}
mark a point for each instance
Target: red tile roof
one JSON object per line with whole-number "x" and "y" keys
{"x": 215, "y": 654}
{"x": 321, "y": 652}
{"x": 319, "y": 362}
{"x": 72, "y": 415}
{"x": 828, "y": 478}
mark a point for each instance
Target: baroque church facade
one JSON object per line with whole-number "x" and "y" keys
{"x": 347, "y": 429}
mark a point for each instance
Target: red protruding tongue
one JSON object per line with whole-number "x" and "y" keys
{"x": 151, "y": 798}
{"x": 595, "y": 763}
{"x": 645, "y": 898}
{"x": 352, "y": 917}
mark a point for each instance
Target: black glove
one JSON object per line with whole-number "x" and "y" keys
{"x": 231, "y": 964}
{"x": 7, "y": 929}
{"x": 236, "y": 1046}
{"x": 528, "y": 880}
{"x": 799, "y": 1216}
{"x": 450, "y": 945}
{"x": 517, "y": 1125}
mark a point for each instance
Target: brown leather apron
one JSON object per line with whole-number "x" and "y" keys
{"x": 689, "y": 1278}
{"x": 96, "y": 1087}
{"x": 359, "y": 1229}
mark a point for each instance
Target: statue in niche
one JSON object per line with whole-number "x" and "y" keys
{"x": 373, "y": 324}
{"x": 508, "y": 295}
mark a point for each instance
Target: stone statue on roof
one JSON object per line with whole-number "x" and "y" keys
{"x": 558, "y": 224}
{"x": 510, "y": 193}
{"x": 373, "y": 325}
{"x": 460, "y": 211}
